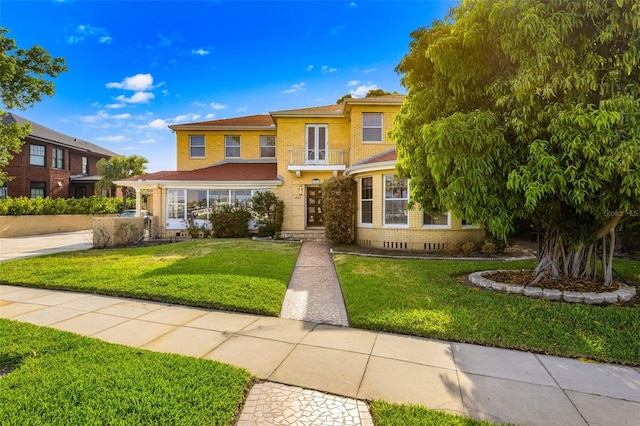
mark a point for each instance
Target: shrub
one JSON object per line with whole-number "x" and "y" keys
{"x": 50, "y": 206}
{"x": 488, "y": 247}
{"x": 338, "y": 209}
{"x": 452, "y": 249}
{"x": 196, "y": 231}
{"x": 268, "y": 211}
{"x": 230, "y": 221}
{"x": 468, "y": 248}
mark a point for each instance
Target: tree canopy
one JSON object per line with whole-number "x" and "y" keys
{"x": 24, "y": 80}
{"x": 118, "y": 168}
{"x": 527, "y": 109}
{"x": 370, "y": 94}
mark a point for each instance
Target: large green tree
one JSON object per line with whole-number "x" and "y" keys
{"x": 528, "y": 109}
{"x": 24, "y": 80}
{"x": 118, "y": 168}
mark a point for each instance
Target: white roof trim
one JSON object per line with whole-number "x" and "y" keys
{"x": 371, "y": 167}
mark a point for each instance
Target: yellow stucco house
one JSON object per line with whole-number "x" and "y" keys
{"x": 291, "y": 153}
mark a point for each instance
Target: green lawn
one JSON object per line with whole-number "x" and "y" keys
{"x": 238, "y": 275}
{"x": 386, "y": 414}
{"x": 65, "y": 379}
{"x": 421, "y": 297}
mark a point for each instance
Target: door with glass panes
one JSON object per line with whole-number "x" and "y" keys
{"x": 314, "y": 207}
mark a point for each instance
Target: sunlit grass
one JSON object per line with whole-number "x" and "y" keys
{"x": 65, "y": 379}
{"x": 422, "y": 297}
{"x": 239, "y": 275}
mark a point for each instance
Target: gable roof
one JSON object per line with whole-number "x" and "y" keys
{"x": 45, "y": 134}
{"x": 225, "y": 171}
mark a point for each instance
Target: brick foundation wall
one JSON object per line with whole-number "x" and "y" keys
{"x": 415, "y": 239}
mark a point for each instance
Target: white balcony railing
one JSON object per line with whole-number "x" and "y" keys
{"x": 329, "y": 157}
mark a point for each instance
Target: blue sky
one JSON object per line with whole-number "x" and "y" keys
{"x": 136, "y": 67}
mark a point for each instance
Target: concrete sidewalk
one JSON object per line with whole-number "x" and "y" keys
{"x": 37, "y": 245}
{"x": 476, "y": 381}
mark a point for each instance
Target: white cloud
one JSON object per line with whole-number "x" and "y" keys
{"x": 309, "y": 68}
{"x": 111, "y": 139}
{"x": 200, "y": 52}
{"x": 84, "y": 32}
{"x": 121, "y": 116}
{"x": 369, "y": 70}
{"x": 136, "y": 98}
{"x": 353, "y": 4}
{"x": 296, "y": 89}
{"x": 147, "y": 141}
{"x": 327, "y": 70}
{"x": 137, "y": 83}
{"x": 361, "y": 91}
{"x": 115, "y": 106}
{"x": 210, "y": 116}
{"x": 158, "y": 124}
{"x": 242, "y": 109}
{"x": 217, "y": 106}
{"x": 353, "y": 83}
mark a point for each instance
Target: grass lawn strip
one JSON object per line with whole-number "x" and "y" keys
{"x": 420, "y": 297}
{"x": 386, "y": 414}
{"x": 237, "y": 275}
{"x": 61, "y": 378}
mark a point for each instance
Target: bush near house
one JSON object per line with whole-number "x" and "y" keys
{"x": 268, "y": 210}
{"x": 52, "y": 206}
{"x": 230, "y": 221}
{"x": 338, "y": 209}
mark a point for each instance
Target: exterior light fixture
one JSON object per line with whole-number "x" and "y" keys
{"x": 299, "y": 189}
{"x": 315, "y": 181}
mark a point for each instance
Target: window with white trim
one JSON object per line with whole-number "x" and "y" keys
{"x": 396, "y": 197}
{"x": 316, "y": 143}
{"x": 85, "y": 166}
{"x": 366, "y": 200}
{"x": 439, "y": 221}
{"x": 196, "y": 146}
{"x": 371, "y": 127}
{"x": 267, "y": 146}
{"x": 36, "y": 155}
{"x": 232, "y": 146}
{"x": 57, "y": 158}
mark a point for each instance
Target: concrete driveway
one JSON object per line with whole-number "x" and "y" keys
{"x": 36, "y": 245}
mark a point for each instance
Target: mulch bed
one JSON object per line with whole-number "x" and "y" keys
{"x": 564, "y": 284}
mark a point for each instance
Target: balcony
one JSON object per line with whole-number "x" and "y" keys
{"x": 330, "y": 160}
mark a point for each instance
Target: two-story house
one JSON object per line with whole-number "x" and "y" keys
{"x": 52, "y": 164}
{"x": 291, "y": 153}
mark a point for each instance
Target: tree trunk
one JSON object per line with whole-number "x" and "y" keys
{"x": 556, "y": 258}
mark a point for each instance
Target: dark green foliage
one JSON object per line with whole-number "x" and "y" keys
{"x": 49, "y": 206}
{"x": 268, "y": 211}
{"x": 230, "y": 221}
{"x": 630, "y": 235}
{"x": 338, "y": 209}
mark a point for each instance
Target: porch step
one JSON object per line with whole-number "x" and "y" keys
{"x": 305, "y": 235}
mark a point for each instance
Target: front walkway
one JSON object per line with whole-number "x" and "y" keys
{"x": 314, "y": 292}
{"x": 476, "y": 381}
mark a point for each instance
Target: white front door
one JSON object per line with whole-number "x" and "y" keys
{"x": 316, "y": 152}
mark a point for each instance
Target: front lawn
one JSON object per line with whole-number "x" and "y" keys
{"x": 386, "y": 414}
{"x": 238, "y": 275}
{"x": 422, "y": 298}
{"x": 65, "y": 379}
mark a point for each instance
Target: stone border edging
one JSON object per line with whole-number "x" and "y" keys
{"x": 624, "y": 293}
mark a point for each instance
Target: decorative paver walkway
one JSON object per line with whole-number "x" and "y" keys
{"x": 314, "y": 292}
{"x": 277, "y": 404}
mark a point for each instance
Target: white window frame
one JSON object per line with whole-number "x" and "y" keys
{"x": 363, "y": 200}
{"x": 192, "y": 146}
{"x": 227, "y": 145}
{"x": 264, "y": 140}
{"x": 315, "y": 154}
{"x": 34, "y": 153}
{"x": 381, "y": 127}
{"x": 385, "y": 199}
{"x": 437, "y": 226}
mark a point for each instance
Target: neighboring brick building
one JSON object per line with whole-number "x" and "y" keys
{"x": 291, "y": 153}
{"x": 52, "y": 164}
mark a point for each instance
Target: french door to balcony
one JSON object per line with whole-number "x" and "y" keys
{"x": 316, "y": 150}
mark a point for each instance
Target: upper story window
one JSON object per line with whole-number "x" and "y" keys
{"x": 85, "y": 166}
{"x": 371, "y": 127}
{"x": 57, "y": 158}
{"x": 267, "y": 146}
{"x": 36, "y": 155}
{"x": 316, "y": 143}
{"x": 439, "y": 221}
{"x": 196, "y": 146}
{"x": 3, "y": 191}
{"x": 232, "y": 146}
{"x": 396, "y": 197}
{"x": 366, "y": 200}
